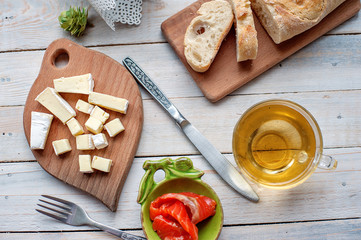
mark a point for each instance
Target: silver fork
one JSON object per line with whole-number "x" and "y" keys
{"x": 72, "y": 214}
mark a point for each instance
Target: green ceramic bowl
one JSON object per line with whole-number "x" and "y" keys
{"x": 180, "y": 176}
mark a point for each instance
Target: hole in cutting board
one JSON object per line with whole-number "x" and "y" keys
{"x": 60, "y": 58}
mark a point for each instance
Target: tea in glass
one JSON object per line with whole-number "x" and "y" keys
{"x": 277, "y": 143}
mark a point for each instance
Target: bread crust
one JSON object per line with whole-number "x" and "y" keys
{"x": 284, "y": 19}
{"x": 206, "y": 33}
{"x": 246, "y": 34}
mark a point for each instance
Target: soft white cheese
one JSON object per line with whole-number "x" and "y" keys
{"x": 85, "y": 164}
{"x": 101, "y": 164}
{"x": 75, "y": 127}
{"x": 82, "y": 84}
{"x": 100, "y": 141}
{"x": 40, "y": 125}
{"x": 99, "y": 114}
{"x": 94, "y": 125}
{"x": 61, "y": 146}
{"x": 109, "y": 102}
{"x": 114, "y": 127}
{"x": 84, "y": 107}
{"x": 51, "y": 100}
{"x": 84, "y": 142}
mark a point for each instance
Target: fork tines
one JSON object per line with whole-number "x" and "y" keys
{"x": 62, "y": 212}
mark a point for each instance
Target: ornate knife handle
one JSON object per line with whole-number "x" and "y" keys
{"x": 153, "y": 89}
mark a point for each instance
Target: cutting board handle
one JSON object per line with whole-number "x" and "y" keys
{"x": 55, "y": 49}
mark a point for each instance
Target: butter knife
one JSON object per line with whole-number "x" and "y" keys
{"x": 222, "y": 166}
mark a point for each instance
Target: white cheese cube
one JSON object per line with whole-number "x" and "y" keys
{"x": 99, "y": 114}
{"x": 40, "y": 125}
{"x": 85, "y": 164}
{"x": 114, "y": 127}
{"x": 82, "y": 84}
{"x": 84, "y": 107}
{"x": 61, "y": 146}
{"x": 84, "y": 142}
{"x": 101, "y": 164}
{"x": 50, "y": 99}
{"x": 100, "y": 141}
{"x": 75, "y": 127}
{"x": 94, "y": 125}
{"x": 109, "y": 102}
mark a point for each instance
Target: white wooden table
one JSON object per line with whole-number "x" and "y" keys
{"x": 324, "y": 77}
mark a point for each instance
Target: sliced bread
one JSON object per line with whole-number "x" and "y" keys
{"x": 246, "y": 34}
{"x": 206, "y": 32}
{"x": 284, "y": 19}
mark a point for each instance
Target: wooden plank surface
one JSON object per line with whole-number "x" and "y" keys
{"x": 332, "y": 230}
{"x": 317, "y": 67}
{"x": 34, "y": 25}
{"x": 325, "y": 196}
{"x": 324, "y": 77}
{"x": 337, "y": 115}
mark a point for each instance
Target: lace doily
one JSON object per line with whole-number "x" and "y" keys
{"x": 123, "y": 11}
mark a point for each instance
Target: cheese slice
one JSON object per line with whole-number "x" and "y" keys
{"x": 82, "y": 84}
{"x": 40, "y": 125}
{"x": 94, "y": 125}
{"x": 99, "y": 114}
{"x": 114, "y": 127}
{"x": 75, "y": 127}
{"x": 85, "y": 164}
{"x": 61, "y": 146}
{"x": 100, "y": 141}
{"x": 109, "y": 102}
{"x": 101, "y": 164}
{"x": 84, "y": 142}
{"x": 51, "y": 100}
{"x": 84, "y": 107}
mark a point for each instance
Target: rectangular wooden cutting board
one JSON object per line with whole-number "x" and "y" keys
{"x": 225, "y": 74}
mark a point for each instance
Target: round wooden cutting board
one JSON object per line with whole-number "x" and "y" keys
{"x": 110, "y": 77}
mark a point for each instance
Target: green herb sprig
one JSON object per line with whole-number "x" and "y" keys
{"x": 74, "y": 20}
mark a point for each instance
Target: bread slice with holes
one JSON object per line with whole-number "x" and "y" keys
{"x": 206, "y": 32}
{"x": 246, "y": 34}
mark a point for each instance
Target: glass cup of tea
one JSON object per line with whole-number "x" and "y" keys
{"x": 278, "y": 144}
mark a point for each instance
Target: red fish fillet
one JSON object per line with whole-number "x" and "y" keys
{"x": 178, "y": 211}
{"x": 169, "y": 229}
{"x": 200, "y": 207}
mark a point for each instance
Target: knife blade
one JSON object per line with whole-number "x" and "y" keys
{"x": 219, "y": 162}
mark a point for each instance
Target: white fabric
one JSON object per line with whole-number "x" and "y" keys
{"x": 123, "y": 11}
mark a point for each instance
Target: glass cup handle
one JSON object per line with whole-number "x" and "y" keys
{"x": 327, "y": 162}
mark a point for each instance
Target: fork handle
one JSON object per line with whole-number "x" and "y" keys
{"x": 123, "y": 235}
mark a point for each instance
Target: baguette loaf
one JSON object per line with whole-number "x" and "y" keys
{"x": 284, "y": 19}
{"x": 246, "y": 34}
{"x": 206, "y": 32}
